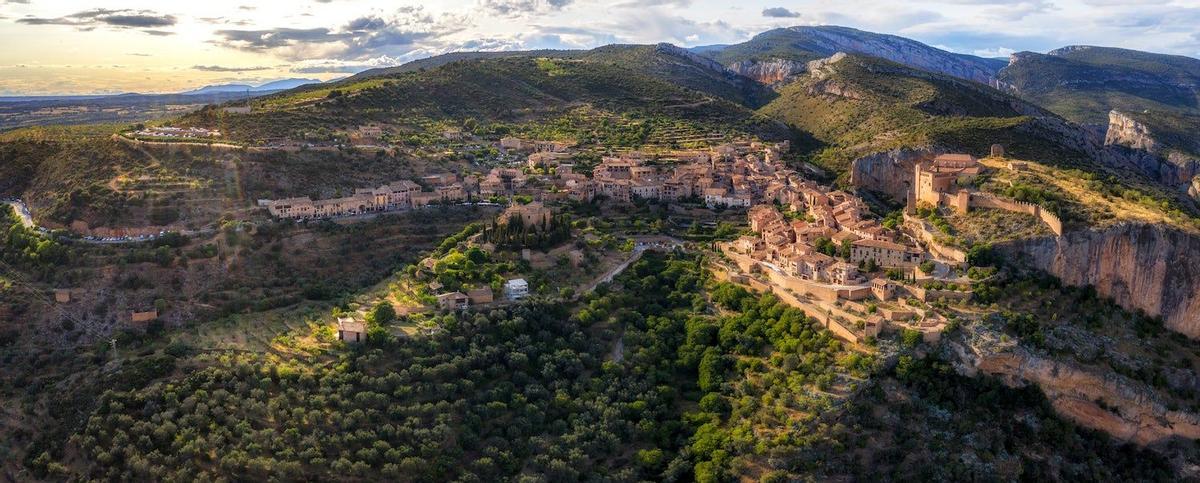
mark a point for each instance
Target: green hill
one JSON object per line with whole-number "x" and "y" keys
{"x": 1084, "y": 83}
{"x": 861, "y": 105}
{"x": 443, "y": 59}
{"x": 642, "y": 82}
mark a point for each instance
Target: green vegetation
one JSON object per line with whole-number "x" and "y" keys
{"x": 513, "y": 89}
{"x": 25, "y": 249}
{"x": 458, "y": 270}
{"x": 1068, "y": 322}
{"x": 518, "y": 391}
{"x": 515, "y": 235}
{"x": 921, "y": 421}
{"x": 1084, "y": 84}
{"x": 865, "y": 105}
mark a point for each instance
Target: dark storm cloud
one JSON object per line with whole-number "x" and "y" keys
{"x": 359, "y": 38}
{"x": 124, "y": 18}
{"x": 259, "y": 40}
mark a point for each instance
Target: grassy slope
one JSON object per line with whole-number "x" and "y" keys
{"x": 1084, "y": 84}
{"x": 774, "y": 44}
{"x": 885, "y": 106}
{"x": 890, "y": 106}
{"x": 616, "y": 79}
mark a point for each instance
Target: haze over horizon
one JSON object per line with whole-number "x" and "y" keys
{"x": 141, "y": 46}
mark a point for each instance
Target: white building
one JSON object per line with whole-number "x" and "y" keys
{"x": 516, "y": 289}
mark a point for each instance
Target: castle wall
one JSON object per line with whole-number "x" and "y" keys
{"x": 984, "y": 200}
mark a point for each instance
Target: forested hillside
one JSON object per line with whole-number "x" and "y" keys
{"x": 642, "y": 82}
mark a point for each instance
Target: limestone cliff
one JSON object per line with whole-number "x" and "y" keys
{"x": 1153, "y": 268}
{"x": 889, "y": 172}
{"x": 899, "y": 50}
{"x": 1125, "y": 409}
{"x": 1152, "y": 156}
{"x": 770, "y": 72}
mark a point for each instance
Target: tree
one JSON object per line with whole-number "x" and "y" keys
{"x": 381, "y": 314}
{"x": 712, "y": 369}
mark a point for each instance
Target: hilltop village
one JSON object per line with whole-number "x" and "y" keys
{"x": 818, "y": 248}
{"x": 735, "y": 175}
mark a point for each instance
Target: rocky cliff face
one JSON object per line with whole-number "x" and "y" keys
{"x": 1169, "y": 166}
{"x": 1125, "y": 131}
{"x": 1148, "y": 267}
{"x": 889, "y": 172}
{"x": 902, "y": 51}
{"x": 1125, "y": 409}
{"x": 769, "y": 72}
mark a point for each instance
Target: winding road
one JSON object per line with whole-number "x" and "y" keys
{"x": 641, "y": 244}
{"x": 27, "y": 220}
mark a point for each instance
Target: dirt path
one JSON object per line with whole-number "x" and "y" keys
{"x": 22, "y": 213}
{"x": 618, "y": 352}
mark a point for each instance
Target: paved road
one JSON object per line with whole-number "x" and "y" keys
{"x": 27, "y": 220}
{"x": 641, "y": 245}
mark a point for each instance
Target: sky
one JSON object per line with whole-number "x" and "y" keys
{"x": 87, "y": 47}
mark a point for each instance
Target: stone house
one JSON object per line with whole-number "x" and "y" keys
{"x": 480, "y": 296}
{"x": 351, "y": 331}
{"x": 453, "y": 301}
{"x": 886, "y": 254}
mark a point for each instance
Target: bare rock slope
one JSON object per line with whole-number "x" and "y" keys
{"x": 1153, "y": 268}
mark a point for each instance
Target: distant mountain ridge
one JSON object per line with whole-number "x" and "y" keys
{"x": 803, "y": 44}
{"x": 443, "y": 59}
{"x": 279, "y": 85}
{"x": 1084, "y": 83}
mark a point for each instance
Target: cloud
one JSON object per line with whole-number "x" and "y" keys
{"x": 653, "y": 3}
{"x": 372, "y": 35}
{"x": 520, "y": 8}
{"x": 995, "y": 53}
{"x": 263, "y": 40}
{"x": 1014, "y": 11}
{"x": 334, "y": 66}
{"x": 147, "y": 20}
{"x": 779, "y": 12}
{"x": 221, "y": 68}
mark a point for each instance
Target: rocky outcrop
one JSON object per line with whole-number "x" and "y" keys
{"x": 1169, "y": 166}
{"x": 1127, "y": 132}
{"x": 1153, "y": 268}
{"x": 824, "y": 84}
{"x": 769, "y": 72}
{"x": 824, "y": 68}
{"x": 1125, "y": 409}
{"x": 889, "y": 172}
{"x": 899, "y": 50}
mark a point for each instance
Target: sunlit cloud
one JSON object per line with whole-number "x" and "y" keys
{"x": 203, "y": 41}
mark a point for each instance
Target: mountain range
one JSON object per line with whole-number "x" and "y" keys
{"x": 1077, "y": 91}
{"x": 278, "y": 85}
